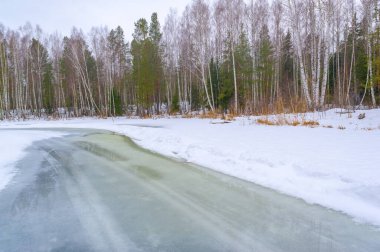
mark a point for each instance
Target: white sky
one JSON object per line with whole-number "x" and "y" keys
{"x": 62, "y": 15}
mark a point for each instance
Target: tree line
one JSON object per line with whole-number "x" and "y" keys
{"x": 227, "y": 56}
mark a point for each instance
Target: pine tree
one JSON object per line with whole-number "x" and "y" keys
{"x": 142, "y": 72}
{"x": 147, "y": 64}
{"x": 156, "y": 61}
{"x": 244, "y": 67}
{"x": 155, "y": 30}
{"x": 47, "y": 89}
{"x": 214, "y": 80}
{"x": 287, "y": 83}
{"x": 264, "y": 67}
{"x": 226, "y": 93}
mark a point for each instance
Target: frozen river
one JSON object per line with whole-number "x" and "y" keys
{"x": 98, "y": 191}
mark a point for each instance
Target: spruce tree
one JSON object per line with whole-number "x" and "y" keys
{"x": 47, "y": 89}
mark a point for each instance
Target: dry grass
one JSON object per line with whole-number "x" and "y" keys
{"x": 147, "y": 117}
{"x": 295, "y": 123}
{"x": 188, "y": 116}
{"x": 294, "y": 106}
{"x": 228, "y": 117}
{"x": 341, "y": 127}
{"x": 298, "y": 106}
{"x": 266, "y": 121}
{"x": 310, "y": 123}
{"x": 281, "y": 120}
{"x": 210, "y": 115}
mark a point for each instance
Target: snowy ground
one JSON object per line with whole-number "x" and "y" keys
{"x": 12, "y": 146}
{"x": 336, "y": 164}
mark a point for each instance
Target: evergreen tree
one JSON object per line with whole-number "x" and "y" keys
{"x": 47, "y": 89}
{"x": 265, "y": 65}
{"x": 214, "y": 78}
{"x": 226, "y": 78}
{"x": 155, "y": 36}
{"x": 147, "y": 63}
{"x": 155, "y": 30}
{"x": 244, "y": 67}
{"x": 141, "y": 52}
{"x": 175, "y": 103}
{"x": 286, "y": 71}
{"x": 116, "y": 103}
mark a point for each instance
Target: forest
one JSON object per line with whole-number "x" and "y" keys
{"x": 227, "y": 56}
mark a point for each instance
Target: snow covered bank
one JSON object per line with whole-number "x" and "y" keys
{"x": 335, "y": 165}
{"x": 12, "y": 149}
{"x": 337, "y": 118}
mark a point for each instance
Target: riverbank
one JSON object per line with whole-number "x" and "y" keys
{"x": 333, "y": 163}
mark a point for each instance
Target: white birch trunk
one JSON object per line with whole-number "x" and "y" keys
{"x": 235, "y": 80}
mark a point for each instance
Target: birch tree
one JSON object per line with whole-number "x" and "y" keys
{"x": 200, "y": 30}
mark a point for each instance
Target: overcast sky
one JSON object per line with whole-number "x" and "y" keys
{"x": 62, "y": 15}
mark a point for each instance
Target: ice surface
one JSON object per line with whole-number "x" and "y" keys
{"x": 99, "y": 192}
{"x": 336, "y": 168}
{"x": 12, "y": 146}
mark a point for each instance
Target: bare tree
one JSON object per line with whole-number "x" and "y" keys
{"x": 200, "y": 30}
{"x": 230, "y": 14}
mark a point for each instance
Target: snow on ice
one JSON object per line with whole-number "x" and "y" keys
{"x": 12, "y": 148}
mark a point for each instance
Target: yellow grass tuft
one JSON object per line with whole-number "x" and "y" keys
{"x": 266, "y": 121}
{"x": 310, "y": 123}
{"x": 210, "y": 115}
{"x": 295, "y": 123}
{"x": 281, "y": 120}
